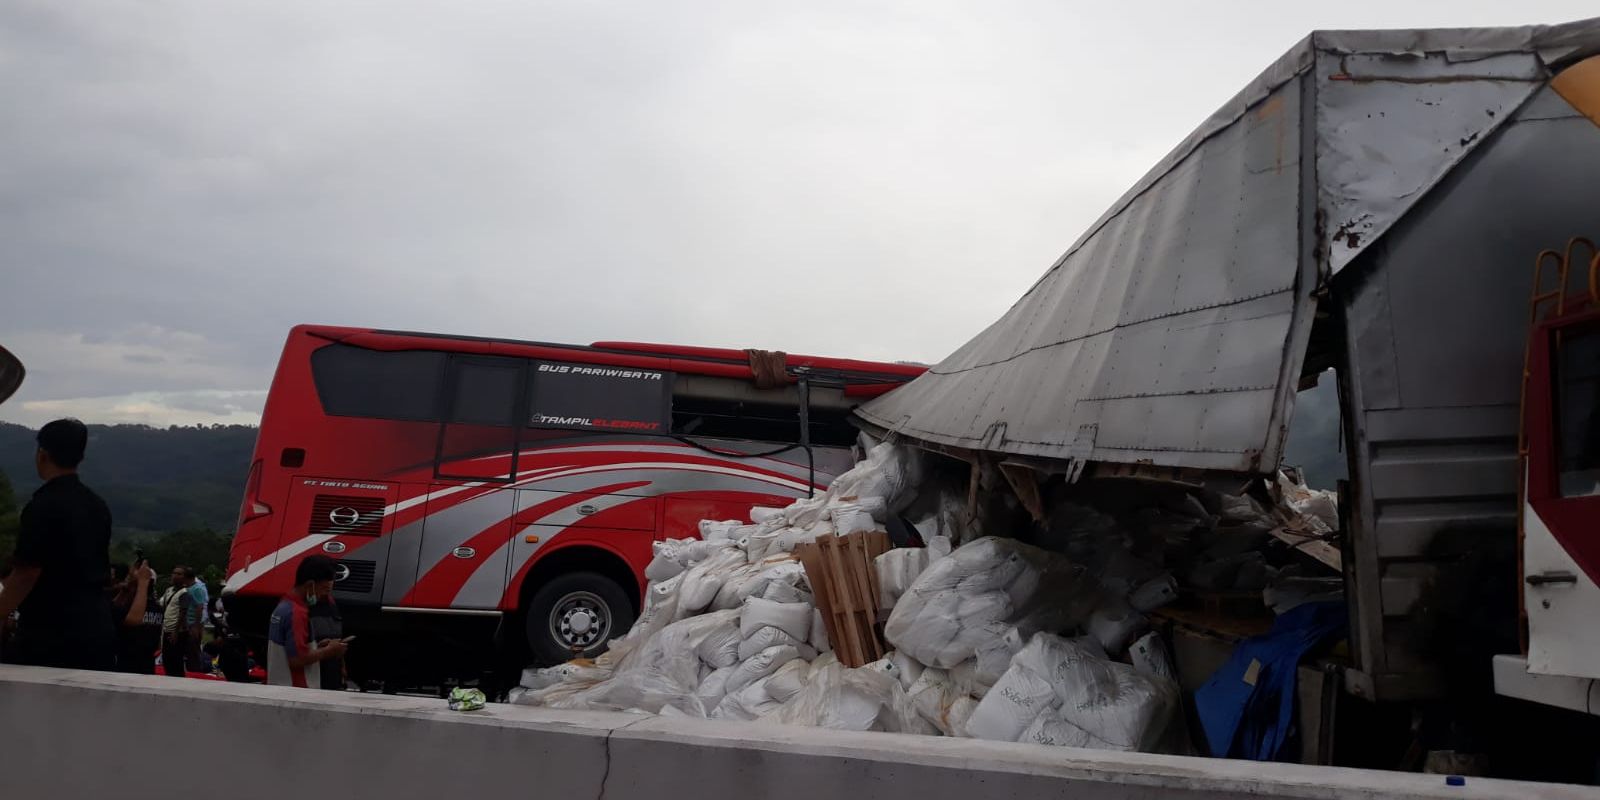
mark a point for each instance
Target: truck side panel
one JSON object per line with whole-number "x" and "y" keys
{"x": 1435, "y": 316}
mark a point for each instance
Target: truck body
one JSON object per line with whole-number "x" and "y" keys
{"x": 1372, "y": 205}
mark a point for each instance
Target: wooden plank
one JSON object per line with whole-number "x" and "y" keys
{"x": 815, "y": 565}
{"x": 866, "y": 608}
{"x": 1312, "y": 545}
{"x": 843, "y": 599}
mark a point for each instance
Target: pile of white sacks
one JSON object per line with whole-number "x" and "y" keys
{"x": 729, "y": 631}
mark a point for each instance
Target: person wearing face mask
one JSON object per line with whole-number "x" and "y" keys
{"x": 292, "y": 658}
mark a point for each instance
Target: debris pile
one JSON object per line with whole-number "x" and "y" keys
{"x": 987, "y": 636}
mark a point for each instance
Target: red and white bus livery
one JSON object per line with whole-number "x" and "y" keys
{"x": 463, "y": 480}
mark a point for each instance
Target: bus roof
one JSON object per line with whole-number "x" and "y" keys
{"x": 859, "y": 378}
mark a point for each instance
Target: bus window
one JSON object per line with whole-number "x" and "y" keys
{"x": 720, "y": 408}
{"x": 1578, "y": 412}
{"x": 477, "y": 440}
{"x": 584, "y": 397}
{"x": 355, "y": 382}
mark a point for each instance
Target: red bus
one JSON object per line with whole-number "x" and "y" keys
{"x": 506, "y": 493}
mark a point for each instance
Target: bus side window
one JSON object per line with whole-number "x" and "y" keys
{"x": 720, "y": 408}
{"x": 1578, "y": 412}
{"x": 477, "y": 440}
{"x": 355, "y": 382}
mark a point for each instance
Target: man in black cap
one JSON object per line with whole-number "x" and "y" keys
{"x": 61, "y": 567}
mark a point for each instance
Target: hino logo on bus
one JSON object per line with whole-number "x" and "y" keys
{"x": 587, "y": 509}
{"x": 333, "y": 547}
{"x": 344, "y": 515}
{"x": 463, "y": 552}
{"x": 340, "y": 572}
{"x": 600, "y": 372}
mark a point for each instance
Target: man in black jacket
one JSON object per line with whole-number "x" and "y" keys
{"x": 61, "y": 566}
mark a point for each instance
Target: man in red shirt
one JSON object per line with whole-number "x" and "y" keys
{"x": 292, "y": 659}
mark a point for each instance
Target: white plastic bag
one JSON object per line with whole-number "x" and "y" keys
{"x": 793, "y": 618}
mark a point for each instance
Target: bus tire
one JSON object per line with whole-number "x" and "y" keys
{"x": 574, "y": 616}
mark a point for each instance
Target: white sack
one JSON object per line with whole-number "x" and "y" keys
{"x": 852, "y": 699}
{"x": 906, "y": 668}
{"x": 819, "y": 632}
{"x": 994, "y": 656}
{"x": 718, "y": 644}
{"x": 793, "y": 618}
{"x": 712, "y": 530}
{"x": 702, "y": 581}
{"x": 1021, "y": 694}
{"x": 769, "y": 636}
{"x": 1114, "y": 625}
{"x": 714, "y": 687}
{"x": 735, "y": 586}
{"x": 852, "y": 519}
{"x": 962, "y": 601}
{"x": 788, "y": 680}
{"x": 939, "y": 701}
{"x": 1154, "y": 593}
{"x": 1094, "y": 702}
{"x": 747, "y": 704}
{"x": 1149, "y": 655}
{"x": 900, "y": 567}
{"x": 759, "y": 514}
{"x": 760, "y": 666}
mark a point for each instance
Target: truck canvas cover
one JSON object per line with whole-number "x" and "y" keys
{"x": 1174, "y": 331}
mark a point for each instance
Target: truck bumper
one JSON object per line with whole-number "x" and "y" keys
{"x": 1512, "y": 679}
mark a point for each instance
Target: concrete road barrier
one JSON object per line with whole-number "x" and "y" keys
{"x": 69, "y": 734}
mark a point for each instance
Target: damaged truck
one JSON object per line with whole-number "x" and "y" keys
{"x": 1410, "y": 215}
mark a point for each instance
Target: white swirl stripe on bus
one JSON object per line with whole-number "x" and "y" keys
{"x": 265, "y": 564}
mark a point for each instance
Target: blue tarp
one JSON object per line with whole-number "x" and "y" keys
{"x": 1247, "y": 707}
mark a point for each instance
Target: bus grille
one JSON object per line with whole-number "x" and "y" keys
{"x": 363, "y": 574}
{"x": 346, "y": 514}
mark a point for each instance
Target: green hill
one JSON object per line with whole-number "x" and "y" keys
{"x": 156, "y": 480}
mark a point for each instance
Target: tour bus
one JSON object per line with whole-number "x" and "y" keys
{"x": 505, "y": 494}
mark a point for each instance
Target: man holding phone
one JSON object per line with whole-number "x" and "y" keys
{"x": 292, "y": 657}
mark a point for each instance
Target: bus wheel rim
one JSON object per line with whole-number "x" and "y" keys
{"x": 580, "y": 620}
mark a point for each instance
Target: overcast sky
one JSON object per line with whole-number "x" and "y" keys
{"x": 182, "y": 182}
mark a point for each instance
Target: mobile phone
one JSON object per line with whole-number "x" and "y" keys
{"x": 138, "y": 555}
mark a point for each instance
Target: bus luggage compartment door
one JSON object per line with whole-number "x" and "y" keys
{"x": 463, "y": 552}
{"x": 344, "y": 520}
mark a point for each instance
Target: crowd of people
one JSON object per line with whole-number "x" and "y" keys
{"x": 64, "y": 604}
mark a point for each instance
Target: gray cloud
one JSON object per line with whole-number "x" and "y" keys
{"x": 182, "y": 182}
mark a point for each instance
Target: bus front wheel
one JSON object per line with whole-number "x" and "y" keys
{"x": 575, "y": 615}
